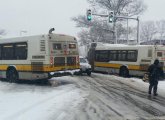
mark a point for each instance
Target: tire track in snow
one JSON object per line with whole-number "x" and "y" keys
{"x": 119, "y": 89}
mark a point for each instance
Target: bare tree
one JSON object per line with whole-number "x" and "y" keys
{"x": 148, "y": 30}
{"x": 132, "y": 7}
{"x": 93, "y": 31}
{"x": 160, "y": 29}
{"x": 99, "y": 29}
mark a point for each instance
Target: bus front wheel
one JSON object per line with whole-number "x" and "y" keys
{"x": 124, "y": 72}
{"x": 12, "y": 75}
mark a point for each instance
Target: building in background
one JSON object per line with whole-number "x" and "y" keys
{"x": 154, "y": 42}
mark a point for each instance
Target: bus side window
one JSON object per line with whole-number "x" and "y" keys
{"x": 8, "y": 51}
{"x": 102, "y": 56}
{"x": 122, "y": 55}
{"x": 150, "y": 53}
{"x": 0, "y": 52}
{"x": 113, "y": 55}
{"x": 21, "y": 51}
{"x": 132, "y": 55}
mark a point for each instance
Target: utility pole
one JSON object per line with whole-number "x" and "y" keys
{"x": 138, "y": 31}
{"x": 115, "y": 32}
{"x": 138, "y": 25}
{"x": 127, "y": 31}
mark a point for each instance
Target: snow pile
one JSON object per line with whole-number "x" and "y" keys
{"x": 32, "y": 102}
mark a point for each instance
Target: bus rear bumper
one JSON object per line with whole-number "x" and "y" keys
{"x": 63, "y": 73}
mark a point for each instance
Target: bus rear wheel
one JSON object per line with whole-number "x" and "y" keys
{"x": 12, "y": 75}
{"x": 124, "y": 72}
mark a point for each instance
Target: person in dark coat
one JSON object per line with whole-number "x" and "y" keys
{"x": 155, "y": 71}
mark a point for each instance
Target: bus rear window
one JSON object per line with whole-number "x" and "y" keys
{"x": 72, "y": 46}
{"x": 57, "y": 46}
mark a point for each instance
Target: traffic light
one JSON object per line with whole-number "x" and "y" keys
{"x": 89, "y": 15}
{"x": 111, "y": 17}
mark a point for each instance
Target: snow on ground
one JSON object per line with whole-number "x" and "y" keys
{"x": 32, "y": 102}
{"x": 161, "y": 84}
{"x": 115, "y": 98}
{"x": 139, "y": 83}
{"x": 70, "y": 97}
{"x": 134, "y": 101}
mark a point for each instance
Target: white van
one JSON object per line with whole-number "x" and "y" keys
{"x": 85, "y": 67}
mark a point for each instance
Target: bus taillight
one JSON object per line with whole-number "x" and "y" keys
{"x": 77, "y": 59}
{"x": 51, "y": 60}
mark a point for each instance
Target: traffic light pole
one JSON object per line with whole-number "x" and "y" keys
{"x": 114, "y": 26}
{"x": 115, "y": 32}
{"x": 100, "y": 15}
{"x": 138, "y": 25}
{"x": 138, "y": 31}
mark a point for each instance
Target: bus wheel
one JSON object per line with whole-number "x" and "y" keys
{"x": 49, "y": 76}
{"x": 12, "y": 75}
{"x": 124, "y": 72}
{"x": 89, "y": 73}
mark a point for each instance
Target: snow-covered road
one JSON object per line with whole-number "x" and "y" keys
{"x": 36, "y": 102}
{"x": 99, "y": 97}
{"x": 114, "y": 98}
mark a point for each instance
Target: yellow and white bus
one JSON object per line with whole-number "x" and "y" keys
{"x": 37, "y": 57}
{"x": 125, "y": 60}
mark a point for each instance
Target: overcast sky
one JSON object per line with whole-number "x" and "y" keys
{"x": 37, "y": 16}
{"x": 155, "y": 10}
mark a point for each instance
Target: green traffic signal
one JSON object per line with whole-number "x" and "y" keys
{"x": 111, "y": 17}
{"x": 89, "y": 18}
{"x": 89, "y": 15}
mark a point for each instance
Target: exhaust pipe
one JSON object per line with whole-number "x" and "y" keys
{"x": 51, "y": 30}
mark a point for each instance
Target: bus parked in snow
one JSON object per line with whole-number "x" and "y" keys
{"x": 125, "y": 60}
{"x": 37, "y": 57}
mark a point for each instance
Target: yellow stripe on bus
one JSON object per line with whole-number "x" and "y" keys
{"x": 117, "y": 66}
{"x": 44, "y": 68}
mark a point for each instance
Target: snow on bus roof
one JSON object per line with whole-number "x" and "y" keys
{"x": 20, "y": 38}
{"x": 107, "y": 46}
{"x": 13, "y": 37}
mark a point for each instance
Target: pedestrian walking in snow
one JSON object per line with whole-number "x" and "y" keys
{"x": 155, "y": 72}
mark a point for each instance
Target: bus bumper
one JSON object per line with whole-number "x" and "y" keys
{"x": 63, "y": 73}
